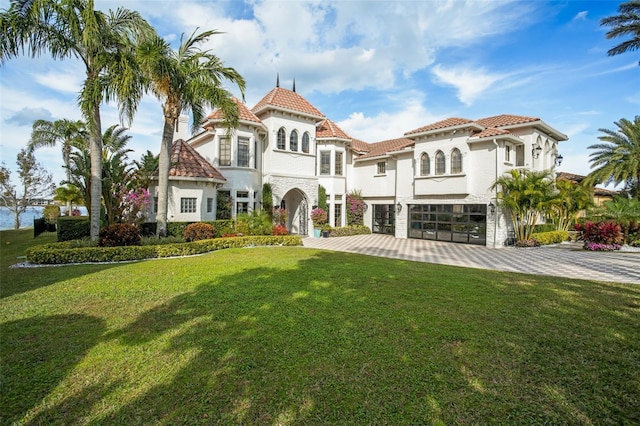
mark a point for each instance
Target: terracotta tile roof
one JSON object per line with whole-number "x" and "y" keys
{"x": 604, "y": 192}
{"x": 505, "y": 120}
{"x": 487, "y": 133}
{"x": 288, "y": 100}
{"x": 328, "y": 129}
{"x": 187, "y": 162}
{"x": 449, "y": 122}
{"x": 244, "y": 113}
{"x": 381, "y": 148}
{"x": 360, "y": 146}
{"x": 570, "y": 176}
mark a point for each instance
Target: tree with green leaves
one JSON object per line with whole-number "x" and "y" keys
{"x": 185, "y": 80}
{"x": 145, "y": 170}
{"x": 104, "y": 42}
{"x": 68, "y": 133}
{"x": 116, "y": 170}
{"x": 525, "y": 195}
{"x": 626, "y": 23}
{"x": 569, "y": 200}
{"x": 35, "y": 183}
{"x": 617, "y": 158}
{"x": 68, "y": 194}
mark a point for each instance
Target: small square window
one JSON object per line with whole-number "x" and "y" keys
{"x": 382, "y": 167}
{"x": 187, "y": 205}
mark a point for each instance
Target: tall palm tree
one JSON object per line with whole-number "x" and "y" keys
{"x": 68, "y": 133}
{"x": 526, "y": 195}
{"x": 627, "y": 23}
{"x": 104, "y": 42}
{"x": 185, "y": 80}
{"x": 116, "y": 169}
{"x": 145, "y": 170}
{"x": 617, "y": 159}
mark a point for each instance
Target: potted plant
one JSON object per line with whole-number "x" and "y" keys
{"x": 319, "y": 218}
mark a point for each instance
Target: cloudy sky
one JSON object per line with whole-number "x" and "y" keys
{"x": 377, "y": 68}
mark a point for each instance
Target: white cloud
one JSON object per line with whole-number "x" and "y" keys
{"x": 581, "y": 16}
{"x": 470, "y": 83}
{"x": 69, "y": 80}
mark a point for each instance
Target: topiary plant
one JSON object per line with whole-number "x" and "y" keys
{"x": 199, "y": 231}
{"x": 119, "y": 234}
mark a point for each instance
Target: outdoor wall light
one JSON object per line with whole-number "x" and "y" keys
{"x": 559, "y": 159}
{"x": 492, "y": 207}
{"x": 537, "y": 149}
{"x": 366, "y": 207}
{"x": 398, "y": 208}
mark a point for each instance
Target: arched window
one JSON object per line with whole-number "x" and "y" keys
{"x": 425, "y": 166}
{"x": 440, "y": 163}
{"x": 281, "y": 139}
{"x": 293, "y": 141}
{"x": 305, "y": 142}
{"x": 456, "y": 161}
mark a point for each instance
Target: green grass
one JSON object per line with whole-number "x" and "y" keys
{"x": 288, "y": 335}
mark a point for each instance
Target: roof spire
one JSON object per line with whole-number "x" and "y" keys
{"x": 278, "y": 80}
{"x": 294, "y": 84}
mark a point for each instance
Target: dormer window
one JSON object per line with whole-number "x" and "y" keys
{"x": 281, "y": 139}
{"x": 293, "y": 141}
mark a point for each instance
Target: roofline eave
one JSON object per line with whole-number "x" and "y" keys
{"x": 287, "y": 110}
{"x": 473, "y": 125}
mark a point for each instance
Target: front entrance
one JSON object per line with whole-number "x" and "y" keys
{"x": 458, "y": 223}
{"x": 297, "y": 205}
{"x": 384, "y": 219}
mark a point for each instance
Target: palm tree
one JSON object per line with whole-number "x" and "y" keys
{"x": 116, "y": 170}
{"x": 185, "y": 80}
{"x": 103, "y": 42}
{"x": 145, "y": 170}
{"x": 69, "y": 133}
{"x": 69, "y": 194}
{"x": 526, "y": 196}
{"x": 627, "y": 23}
{"x": 570, "y": 199}
{"x": 617, "y": 159}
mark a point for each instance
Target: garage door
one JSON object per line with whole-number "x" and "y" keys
{"x": 458, "y": 223}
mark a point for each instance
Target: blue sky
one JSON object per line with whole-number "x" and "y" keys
{"x": 377, "y": 68}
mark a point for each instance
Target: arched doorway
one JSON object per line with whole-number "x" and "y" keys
{"x": 295, "y": 201}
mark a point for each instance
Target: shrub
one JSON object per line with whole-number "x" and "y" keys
{"x": 635, "y": 243}
{"x": 176, "y": 229}
{"x": 599, "y": 233}
{"x": 51, "y": 214}
{"x": 279, "y": 230}
{"x": 530, "y": 242}
{"x": 119, "y": 234}
{"x": 346, "y": 231}
{"x": 280, "y": 216}
{"x": 544, "y": 227}
{"x": 58, "y": 253}
{"x": 199, "y": 231}
{"x": 318, "y": 217}
{"x": 255, "y": 223}
{"x": 355, "y": 208}
{"x": 550, "y": 237}
{"x": 602, "y": 247}
{"x": 148, "y": 229}
{"x": 73, "y": 228}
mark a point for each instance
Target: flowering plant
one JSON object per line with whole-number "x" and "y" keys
{"x": 355, "y": 208}
{"x": 279, "y": 230}
{"x": 318, "y": 216}
{"x": 602, "y": 247}
{"x": 132, "y": 204}
{"x": 280, "y": 216}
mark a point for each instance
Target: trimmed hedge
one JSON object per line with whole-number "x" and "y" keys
{"x": 73, "y": 227}
{"x": 551, "y": 237}
{"x": 347, "y": 231}
{"x": 56, "y": 254}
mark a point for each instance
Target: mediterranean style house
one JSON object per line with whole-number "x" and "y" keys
{"x": 432, "y": 183}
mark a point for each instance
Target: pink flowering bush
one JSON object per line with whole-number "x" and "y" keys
{"x": 355, "y": 209}
{"x": 318, "y": 217}
{"x": 602, "y": 247}
{"x": 132, "y": 204}
{"x": 280, "y": 216}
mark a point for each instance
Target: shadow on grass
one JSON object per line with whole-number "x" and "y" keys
{"x": 37, "y": 353}
{"x": 342, "y": 344}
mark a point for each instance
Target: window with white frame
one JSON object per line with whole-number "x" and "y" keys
{"x": 425, "y": 166}
{"x": 293, "y": 141}
{"x": 305, "y": 142}
{"x": 242, "y": 202}
{"x": 188, "y": 205}
{"x": 225, "y": 152}
{"x": 325, "y": 162}
{"x": 440, "y": 163}
{"x": 338, "y": 166}
{"x": 456, "y": 161}
{"x": 507, "y": 153}
{"x": 382, "y": 167}
{"x": 243, "y": 152}
{"x": 281, "y": 139}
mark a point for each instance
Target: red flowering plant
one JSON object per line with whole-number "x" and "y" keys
{"x": 280, "y": 216}
{"x": 355, "y": 208}
{"x": 318, "y": 217}
{"x": 279, "y": 230}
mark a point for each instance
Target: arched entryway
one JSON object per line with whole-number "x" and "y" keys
{"x": 295, "y": 201}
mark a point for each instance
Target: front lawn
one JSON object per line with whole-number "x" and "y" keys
{"x": 288, "y": 335}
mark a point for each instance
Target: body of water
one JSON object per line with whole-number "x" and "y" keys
{"x": 26, "y": 218}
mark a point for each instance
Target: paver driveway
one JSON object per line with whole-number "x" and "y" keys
{"x": 562, "y": 260}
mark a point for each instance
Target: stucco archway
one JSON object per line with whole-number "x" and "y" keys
{"x": 296, "y": 202}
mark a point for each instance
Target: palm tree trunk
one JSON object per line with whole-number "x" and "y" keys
{"x": 66, "y": 154}
{"x": 164, "y": 164}
{"x": 95, "y": 147}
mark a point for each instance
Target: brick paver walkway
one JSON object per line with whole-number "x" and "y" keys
{"x": 562, "y": 260}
